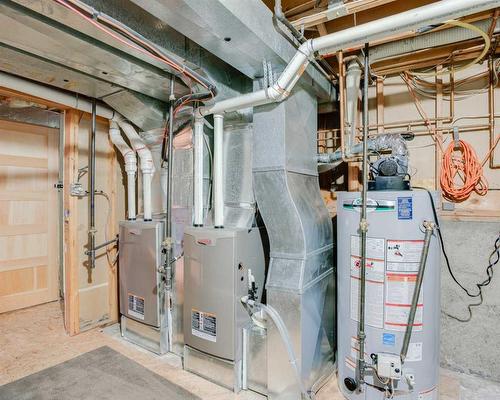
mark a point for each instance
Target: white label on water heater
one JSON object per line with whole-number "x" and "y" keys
{"x": 414, "y": 352}
{"x": 375, "y": 247}
{"x": 399, "y": 293}
{"x": 375, "y": 266}
{"x": 404, "y": 251}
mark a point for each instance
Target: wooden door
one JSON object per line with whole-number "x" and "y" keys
{"x": 28, "y": 215}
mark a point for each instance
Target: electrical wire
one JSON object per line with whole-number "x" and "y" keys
{"x": 493, "y": 260}
{"x": 461, "y": 161}
{"x": 135, "y": 41}
{"x": 467, "y": 166}
{"x": 428, "y": 89}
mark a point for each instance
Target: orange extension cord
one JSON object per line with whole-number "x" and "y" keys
{"x": 465, "y": 165}
{"x": 462, "y": 161}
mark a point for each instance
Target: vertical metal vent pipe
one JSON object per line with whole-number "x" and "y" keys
{"x": 198, "y": 171}
{"x": 218, "y": 171}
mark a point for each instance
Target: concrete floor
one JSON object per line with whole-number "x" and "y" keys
{"x": 34, "y": 339}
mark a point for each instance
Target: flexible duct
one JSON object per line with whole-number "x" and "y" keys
{"x": 130, "y": 164}
{"x": 352, "y": 81}
{"x": 146, "y": 158}
{"x": 378, "y": 29}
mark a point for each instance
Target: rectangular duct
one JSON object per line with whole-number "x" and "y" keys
{"x": 300, "y": 281}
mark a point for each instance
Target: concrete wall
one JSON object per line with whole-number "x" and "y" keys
{"x": 471, "y": 347}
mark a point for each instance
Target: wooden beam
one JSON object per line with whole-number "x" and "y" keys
{"x": 362, "y": 9}
{"x": 353, "y": 170}
{"x": 322, "y": 29}
{"x": 71, "y": 256}
{"x": 310, "y": 18}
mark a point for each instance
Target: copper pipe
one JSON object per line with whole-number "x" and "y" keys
{"x": 430, "y": 131}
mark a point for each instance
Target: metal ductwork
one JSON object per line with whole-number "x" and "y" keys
{"x": 300, "y": 281}
{"x": 239, "y": 201}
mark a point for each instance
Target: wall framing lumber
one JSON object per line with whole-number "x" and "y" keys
{"x": 71, "y": 300}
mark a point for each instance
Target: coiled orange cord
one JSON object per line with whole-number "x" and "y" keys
{"x": 462, "y": 162}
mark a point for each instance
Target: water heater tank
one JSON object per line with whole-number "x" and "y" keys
{"x": 394, "y": 245}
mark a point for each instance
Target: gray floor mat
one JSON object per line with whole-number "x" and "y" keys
{"x": 102, "y": 374}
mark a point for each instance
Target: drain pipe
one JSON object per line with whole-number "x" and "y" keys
{"x": 130, "y": 165}
{"x": 198, "y": 171}
{"x": 218, "y": 171}
{"x": 363, "y": 227}
{"x": 403, "y": 22}
{"x": 146, "y": 158}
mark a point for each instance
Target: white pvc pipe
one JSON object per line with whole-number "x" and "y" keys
{"x": 131, "y": 195}
{"x": 130, "y": 165}
{"x": 147, "y": 177}
{"x": 352, "y": 81}
{"x": 53, "y": 95}
{"x": 198, "y": 171}
{"x": 218, "y": 171}
{"x": 403, "y": 22}
{"x": 147, "y": 165}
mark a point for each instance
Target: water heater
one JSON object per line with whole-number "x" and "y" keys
{"x": 395, "y": 241}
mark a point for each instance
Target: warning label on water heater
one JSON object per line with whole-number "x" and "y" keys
{"x": 204, "y": 325}
{"x": 403, "y": 257}
{"x": 375, "y": 265}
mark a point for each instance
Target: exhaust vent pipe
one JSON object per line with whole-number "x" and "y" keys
{"x": 146, "y": 158}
